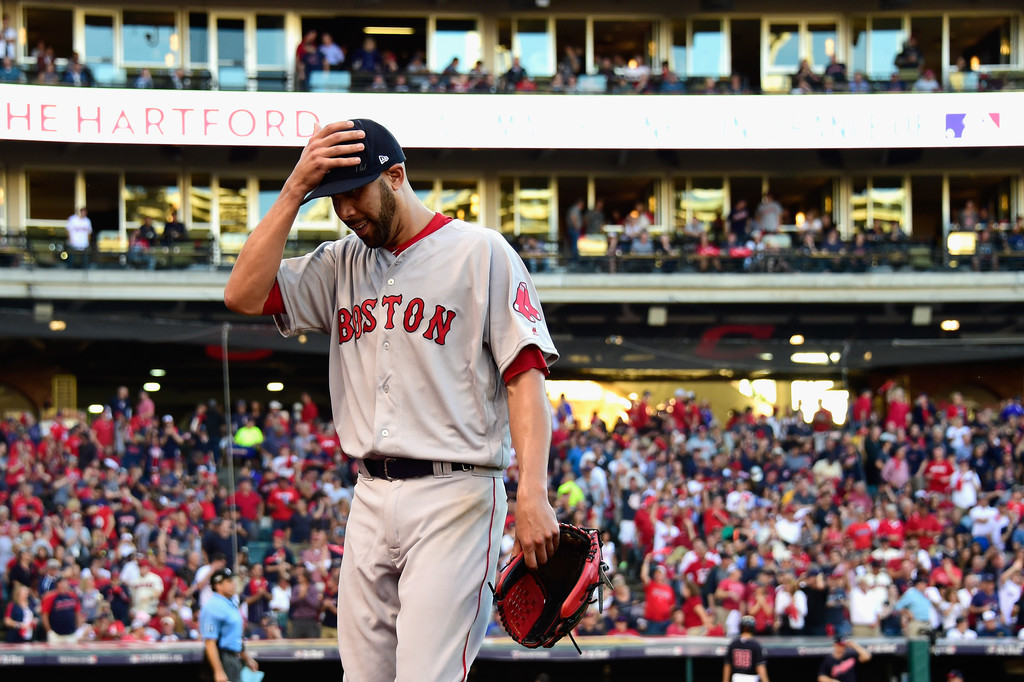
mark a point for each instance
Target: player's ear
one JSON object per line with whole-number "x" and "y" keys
{"x": 395, "y": 176}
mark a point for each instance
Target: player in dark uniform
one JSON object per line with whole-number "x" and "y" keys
{"x": 745, "y": 659}
{"x": 840, "y": 665}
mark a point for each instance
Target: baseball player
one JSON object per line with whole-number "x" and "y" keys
{"x": 745, "y": 659}
{"x": 438, "y": 357}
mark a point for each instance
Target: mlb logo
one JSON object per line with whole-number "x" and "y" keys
{"x": 972, "y": 126}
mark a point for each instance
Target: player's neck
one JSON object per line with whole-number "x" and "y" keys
{"x": 411, "y": 222}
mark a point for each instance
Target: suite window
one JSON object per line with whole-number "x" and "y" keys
{"x": 460, "y": 199}
{"x": 103, "y": 197}
{"x": 233, "y": 204}
{"x": 150, "y": 38}
{"x": 51, "y": 195}
{"x": 526, "y": 207}
{"x": 454, "y": 38}
{"x": 983, "y": 41}
{"x": 875, "y": 43}
{"x": 702, "y": 199}
{"x": 150, "y": 194}
{"x": 707, "y": 52}
{"x": 99, "y": 39}
{"x": 625, "y": 43}
{"x": 784, "y": 46}
{"x": 198, "y": 39}
{"x": 200, "y": 200}
{"x": 231, "y": 53}
{"x": 879, "y": 202}
{"x": 53, "y": 27}
{"x": 533, "y": 43}
{"x": 270, "y": 42}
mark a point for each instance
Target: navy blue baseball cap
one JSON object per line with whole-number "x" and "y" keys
{"x": 380, "y": 152}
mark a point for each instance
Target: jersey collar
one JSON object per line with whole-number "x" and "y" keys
{"x": 435, "y": 224}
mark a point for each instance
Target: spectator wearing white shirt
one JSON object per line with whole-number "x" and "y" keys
{"x": 79, "y": 229}
{"x": 961, "y": 631}
{"x": 866, "y": 604}
{"x": 965, "y": 485}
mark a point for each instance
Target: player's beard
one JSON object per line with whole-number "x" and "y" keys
{"x": 384, "y": 222}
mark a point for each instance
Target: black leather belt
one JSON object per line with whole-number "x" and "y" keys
{"x": 394, "y": 468}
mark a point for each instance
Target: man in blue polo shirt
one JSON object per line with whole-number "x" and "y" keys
{"x": 220, "y": 625}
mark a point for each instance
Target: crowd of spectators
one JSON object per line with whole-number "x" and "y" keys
{"x": 111, "y": 527}
{"x": 374, "y": 69}
{"x": 905, "y": 519}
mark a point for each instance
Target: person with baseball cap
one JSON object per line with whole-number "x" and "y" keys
{"x": 840, "y": 665}
{"x": 220, "y": 626}
{"x": 745, "y": 660}
{"x": 438, "y": 356}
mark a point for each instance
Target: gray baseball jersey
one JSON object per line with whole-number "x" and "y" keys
{"x": 419, "y": 341}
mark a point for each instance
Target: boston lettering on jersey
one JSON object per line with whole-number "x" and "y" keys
{"x": 361, "y": 318}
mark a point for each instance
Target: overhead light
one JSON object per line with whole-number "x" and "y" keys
{"x": 796, "y": 340}
{"x": 809, "y": 358}
{"x": 58, "y": 325}
{"x": 389, "y": 30}
{"x": 835, "y": 357}
{"x": 151, "y": 387}
{"x": 868, "y": 355}
{"x": 95, "y": 408}
{"x": 767, "y": 357}
{"x": 275, "y": 386}
{"x": 949, "y": 325}
{"x": 302, "y": 338}
{"x": 158, "y": 372}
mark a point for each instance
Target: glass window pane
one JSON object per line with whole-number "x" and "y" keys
{"x": 99, "y": 39}
{"x": 231, "y": 42}
{"x": 270, "y": 45}
{"x": 679, "y": 46}
{"x": 51, "y": 195}
{"x": 858, "y": 43}
{"x": 885, "y": 42}
{"x": 150, "y": 194}
{"x": 455, "y": 38}
{"x": 52, "y": 27}
{"x": 534, "y": 47}
{"x": 535, "y": 198}
{"x": 198, "y": 38}
{"x": 149, "y": 37}
{"x": 887, "y": 200}
{"x": 506, "y": 208}
{"x": 823, "y": 43}
{"x": 232, "y": 200}
{"x": 705, "y": 201}
{"x": 103, "y": 198}
{"x": 460, "y": 200}
{"x": 784, "y": 46}
{"x": 706, "y": 55}
{"x": 859, "y": 204}
{"x": 987, "y": 39}
{"x": 200, "y": 199}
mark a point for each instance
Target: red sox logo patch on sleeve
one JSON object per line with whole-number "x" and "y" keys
{"x": 524, "y": 306}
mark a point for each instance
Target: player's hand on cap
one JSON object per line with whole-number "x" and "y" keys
{"x": 329, "y": 147}
{"x": 536, "y": 529}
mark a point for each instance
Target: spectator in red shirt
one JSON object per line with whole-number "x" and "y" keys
{"x": 938, "y": 471}
{"x": 956, "y": 408}
{"x": 860, "y": 533}
{"x": 250, "y": 506}
{"x": 892, "y": 526}
{"x": 898, "y": 410}
{"x": 924, "y": 525}
{"x": 660, "y": 597}
{"x": 281, "y": 503}
{"x": 26, "y": 508}
{"x": 310, "y": 412}
{"x": 862, "y": 409}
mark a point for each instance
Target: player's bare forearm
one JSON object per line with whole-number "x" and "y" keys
{"x": 256, "y": 266}
{"x": 530, "y": 425}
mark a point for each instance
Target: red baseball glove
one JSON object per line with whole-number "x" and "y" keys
{"x": 539, "y": 607}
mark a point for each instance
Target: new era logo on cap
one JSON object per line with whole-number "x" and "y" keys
{"x": 380, "y": 152}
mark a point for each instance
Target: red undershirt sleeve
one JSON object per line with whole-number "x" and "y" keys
{"x": 530, "y": 357}
{"x": 274, "y": 305}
